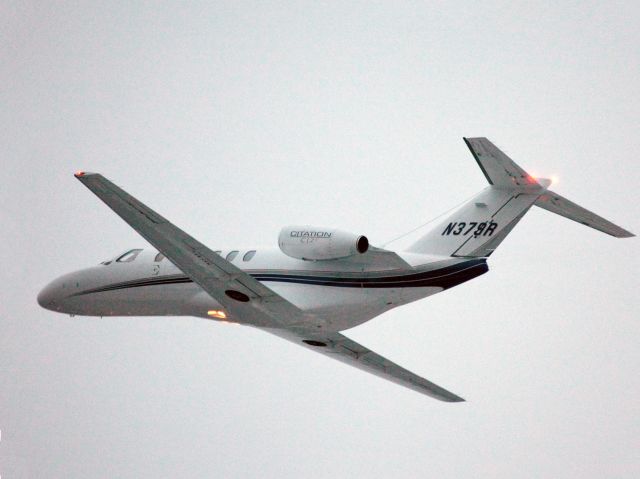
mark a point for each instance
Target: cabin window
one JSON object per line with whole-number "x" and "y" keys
{"x": 159, "y": 257}
{"x": 248, "y": 255}
{"x": 231, "y": 256}
{"x": 129, "y": 256}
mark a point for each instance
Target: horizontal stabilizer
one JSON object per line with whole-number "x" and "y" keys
{"x": 555, "y": 203}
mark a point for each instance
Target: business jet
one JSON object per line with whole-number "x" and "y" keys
{"x": 319, "y": 281}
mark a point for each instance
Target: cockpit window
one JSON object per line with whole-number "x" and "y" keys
{"x": 129, "y": 256}
{"x": 248, "y": 255}
{"x": 231, "y": 256}
{"x": 159, "y": 257}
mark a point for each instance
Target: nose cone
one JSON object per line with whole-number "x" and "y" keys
{"x": 62, "y": 294}
{"x": 47, "y": 298}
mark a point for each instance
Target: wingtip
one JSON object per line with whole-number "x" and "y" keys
{"x": 456, "y": 399}
{"x": 447, "y": 396}
{"x": 621, "y": 233}
{"x": 81, "y": 173}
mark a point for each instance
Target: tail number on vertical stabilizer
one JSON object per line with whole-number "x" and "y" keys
{"x": 463, "y": 228}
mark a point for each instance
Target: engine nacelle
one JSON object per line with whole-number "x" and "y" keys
{"x": 316, "y": 243}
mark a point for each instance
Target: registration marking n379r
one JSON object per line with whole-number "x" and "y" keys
{"x": 463, "y": 228}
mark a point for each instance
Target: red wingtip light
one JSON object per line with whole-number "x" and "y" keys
{"x": 79, "y": 173}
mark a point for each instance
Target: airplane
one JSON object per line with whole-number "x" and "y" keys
{"x": 319, "y": 281}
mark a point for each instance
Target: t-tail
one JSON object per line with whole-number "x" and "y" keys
{"x": 480, "y": 225}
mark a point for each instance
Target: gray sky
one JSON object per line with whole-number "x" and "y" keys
{"x": 234, "y": 119}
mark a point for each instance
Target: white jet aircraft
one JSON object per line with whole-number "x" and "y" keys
{"x": 319, "y": 281}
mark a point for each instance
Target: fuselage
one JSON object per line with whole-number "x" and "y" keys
{"x": 344, "y": 293}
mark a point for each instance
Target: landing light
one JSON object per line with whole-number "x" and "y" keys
{"x": 217, "y": 313}
{"x": 555, "y": 180}
{"x": 79, "y": 173}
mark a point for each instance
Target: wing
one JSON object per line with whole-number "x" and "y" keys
{"x": 246, "y": 299}
{"x": 338, "y": 346}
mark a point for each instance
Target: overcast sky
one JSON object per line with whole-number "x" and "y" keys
{"x": 234, "y": 119}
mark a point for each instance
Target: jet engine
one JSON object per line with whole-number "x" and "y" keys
{"x": 315, "y": 243}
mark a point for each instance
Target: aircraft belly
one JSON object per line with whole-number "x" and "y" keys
{"x": 339, "y": 301}
{"x": 158, "y": 300}
{"x": 410, "y": 295}
{"x": 344, "y": 308}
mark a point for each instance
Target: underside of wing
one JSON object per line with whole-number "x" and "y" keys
{"x": 245, "y": 299}
{"x": 338, "y": 346}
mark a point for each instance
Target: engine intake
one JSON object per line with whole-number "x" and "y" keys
{"x": 315, "y": 243}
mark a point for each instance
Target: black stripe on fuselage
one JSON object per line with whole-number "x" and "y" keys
{"x": 173, "y": 279}
{"x": 445, "y": 278}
